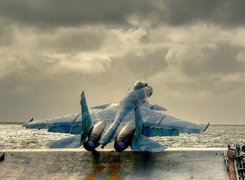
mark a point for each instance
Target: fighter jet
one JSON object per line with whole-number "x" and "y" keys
{"x": 131, "y": 122}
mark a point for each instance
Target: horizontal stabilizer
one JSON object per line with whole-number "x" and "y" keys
{"x": 71, "y": 129}
{"x": 70, "y": 142}
{"x": 158, "y": 108}
{"x": 103, "y": 106}
{"x": 144, "y": 143}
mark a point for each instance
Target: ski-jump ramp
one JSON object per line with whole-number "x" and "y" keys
{"x": 176, "y": 164}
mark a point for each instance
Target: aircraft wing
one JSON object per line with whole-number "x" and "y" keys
{"x": 45, "y": 123}
{"x": 72, "y": 123}
{"x": 182, "y": 125}
{"x": 159, "y": 124}
{"x": 156, "y": 123}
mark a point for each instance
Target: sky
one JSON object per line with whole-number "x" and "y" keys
{"x": 192, "y": 52}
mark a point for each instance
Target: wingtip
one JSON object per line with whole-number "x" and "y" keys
{"x": 205, "y": 128}
{"x": 27, "y": 122}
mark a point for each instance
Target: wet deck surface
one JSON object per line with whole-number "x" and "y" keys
{"x": 78, "y": 164}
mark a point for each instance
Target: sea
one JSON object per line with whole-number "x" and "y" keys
{"x": 14, "y": 136}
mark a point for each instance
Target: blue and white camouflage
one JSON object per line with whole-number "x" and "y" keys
{"x": 134, "y": 108}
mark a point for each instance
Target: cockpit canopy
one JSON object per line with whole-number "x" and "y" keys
{"x": 147, "y": 89}
{"x": 139, "y": 85}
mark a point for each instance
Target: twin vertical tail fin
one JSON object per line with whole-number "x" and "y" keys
{"x": 141, "y": 142}
{"x": 77, "y": 140}
{"x": 86, "y": 119}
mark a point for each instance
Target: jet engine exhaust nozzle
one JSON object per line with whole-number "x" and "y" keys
{"x": 89, "y": 145}
{"x": 124, "y": 138}
{"x": 93, "y": 140}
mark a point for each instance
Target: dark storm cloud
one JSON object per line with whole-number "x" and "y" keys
{"x": 5, "y": 34}
{"x": 224, "y": 12}
{"x": 76, "y": 12}
{"x": 147, "y": 64}
{"x": 32, "y": 91}
{"x": 220, "y": 60}
{"x": 73, "y": 40}
{"x": 190, "y": 51}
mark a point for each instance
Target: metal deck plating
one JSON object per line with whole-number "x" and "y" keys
{"x": 79, "y": 164}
